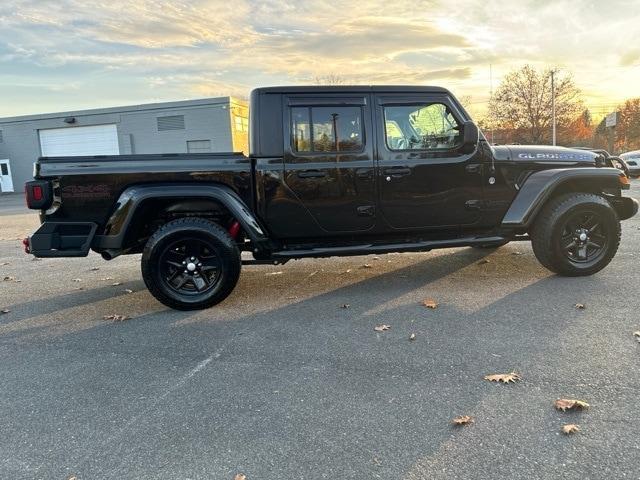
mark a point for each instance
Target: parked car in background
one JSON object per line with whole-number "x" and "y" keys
{"x": 632, "y": 159}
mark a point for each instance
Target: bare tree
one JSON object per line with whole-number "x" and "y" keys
{"x": 522, "y": 103}
{"x": 330, "y": 79}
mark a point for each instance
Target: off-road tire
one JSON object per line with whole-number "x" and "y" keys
{"x": 546, "y": 234}
{"x": 212, "y": 239}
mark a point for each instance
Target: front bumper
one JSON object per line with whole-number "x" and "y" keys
{"x": 626, "y": 207}
{"x": 61, "y": 239}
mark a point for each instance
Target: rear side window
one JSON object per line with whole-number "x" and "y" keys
{"x": 421, "y": 127}
{"x": 327, "y": 129}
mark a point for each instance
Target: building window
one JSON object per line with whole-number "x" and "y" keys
{"x": 198, "y": 146}
{"x": 1, "y": 137}
{"x": 172, "y": 122}
{"x": 241, "y": 124}
{"x": 327, "y": 129}
{"x": 421, "y": 127}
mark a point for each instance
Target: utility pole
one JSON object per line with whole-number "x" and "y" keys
{"x": 553, "y": 105}
{"x": 491, "y": 97}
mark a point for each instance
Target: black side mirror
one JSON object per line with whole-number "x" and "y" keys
{"x": 470, "y": 136}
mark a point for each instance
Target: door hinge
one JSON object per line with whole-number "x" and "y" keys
{"x": 366, "y": 211}
{"x": 473, "y": 168}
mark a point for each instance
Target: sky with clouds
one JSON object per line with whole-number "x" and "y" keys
{"x": 72, "y": 54}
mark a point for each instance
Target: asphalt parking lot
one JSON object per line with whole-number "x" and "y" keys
{"x": 280, "y": 382}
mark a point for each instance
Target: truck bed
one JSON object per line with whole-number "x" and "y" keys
{"x": 88, "y": 187}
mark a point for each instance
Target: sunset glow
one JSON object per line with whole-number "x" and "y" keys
{"x": 71, "y": 54}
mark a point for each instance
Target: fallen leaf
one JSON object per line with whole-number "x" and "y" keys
{"x": 463, "y": 420}
{"x": 273, "y": 273}
{"x": 565, "y": 404}
{"x": 128, "y": 290}
{"x": 376, "y": 258}
{"x": 483, "y": 261}
{"x": 116, "y": 284}
{"x": 79, "y": 288}
{"x": 382, "y": 328}
{"x": 412, "y": 336}
{"x": 345, "y": 305}
{"x": 116, "y": 317}
{"x": 570, "y": 428}
{"x": 94, "y": 269}
{"x": 106, "y": 279}
{"x": 240, "y": 476}
{"x": 6, "y": 263}
{"x": 503, "y": 377}
{"x": 517, "y": 253}
{"x": 313, "y": 273}
{"x": 76, "y": 280}
{"x": 637, "y": 335}
{"x": 366, "y": 265}
{"x": 9, "y": 279}
{"x": 579, "y": 306}
{"x": 430, "y": 303}
{"x": 6, "y": 310}
{"x": 348, "y": 270}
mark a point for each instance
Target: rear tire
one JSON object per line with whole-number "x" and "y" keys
{"x": 576, "y": 234}
{"x": 190, "y": 264}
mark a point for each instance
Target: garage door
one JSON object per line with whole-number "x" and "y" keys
{"x": 74, "y": 141}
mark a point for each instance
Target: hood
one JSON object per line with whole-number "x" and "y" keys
{"x": 544, "y": 155}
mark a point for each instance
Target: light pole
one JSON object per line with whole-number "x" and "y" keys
{"x": 553, "y": 106}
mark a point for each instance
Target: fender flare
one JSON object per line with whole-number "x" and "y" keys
{"x": 541, "y": 185}
{"x": 131, "y": 198}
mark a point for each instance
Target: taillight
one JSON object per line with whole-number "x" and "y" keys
{"x": 39, "y": 194}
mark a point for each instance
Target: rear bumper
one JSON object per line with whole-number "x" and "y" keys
{"x": 61, "y": 239}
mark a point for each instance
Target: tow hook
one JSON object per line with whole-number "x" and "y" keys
{"x": 26, "y": 245}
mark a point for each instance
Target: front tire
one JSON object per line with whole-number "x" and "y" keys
{"x": 190, "y": 264}
{"x": 576, "y": 234}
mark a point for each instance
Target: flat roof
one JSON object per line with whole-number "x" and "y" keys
{"x": 352, "y": 89}
{"x": 124, "y": 109}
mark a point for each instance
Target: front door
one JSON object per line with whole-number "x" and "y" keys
{"x": 6, "y": 182}
{"x": 328, "y": 163}
{"x": 425, "y": 178}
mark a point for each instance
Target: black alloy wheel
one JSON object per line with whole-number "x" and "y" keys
{"x": 191, "y": 263}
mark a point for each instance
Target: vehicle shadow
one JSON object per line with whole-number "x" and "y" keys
{"x": 321, "y": 378}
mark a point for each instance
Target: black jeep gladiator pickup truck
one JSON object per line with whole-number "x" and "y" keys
{"x": 331, "y": 171}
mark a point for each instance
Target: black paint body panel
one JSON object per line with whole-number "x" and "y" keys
{"x": 317, "y": 204}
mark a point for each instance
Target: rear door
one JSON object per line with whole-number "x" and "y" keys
{"x": 328, "y": 161}
{"x": 425, "y": 179}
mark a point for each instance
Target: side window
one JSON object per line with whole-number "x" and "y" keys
{"x": 421, "y": 127}
{"x": 327, "y": 129}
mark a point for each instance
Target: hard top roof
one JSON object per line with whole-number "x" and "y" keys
{"x": 352, "y": 89}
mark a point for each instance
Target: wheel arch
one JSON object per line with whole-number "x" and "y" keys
{"x": 175, "y": 197}
{"x": 544, "y": 185}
